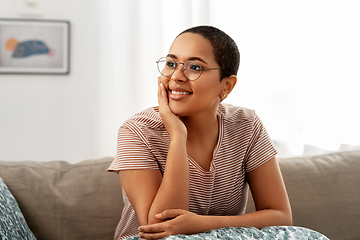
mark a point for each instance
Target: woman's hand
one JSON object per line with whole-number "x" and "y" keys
{"x": 179, "y": 222}
{"x": 173, "y": 124}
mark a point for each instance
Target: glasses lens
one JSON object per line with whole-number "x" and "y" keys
{"x": 192, "y": 70}
{"x": 166, "y": 66}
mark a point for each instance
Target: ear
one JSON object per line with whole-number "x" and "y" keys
{"x": 229, "y": 84}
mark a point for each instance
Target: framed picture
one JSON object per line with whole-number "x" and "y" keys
{"x": 34, "y": 46}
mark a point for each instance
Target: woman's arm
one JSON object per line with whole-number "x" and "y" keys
{"x": 174, "y": 189}
{"x": 270, "y": 198}
{"x": 151, "y": 193}
{"x": 271, "y": 201}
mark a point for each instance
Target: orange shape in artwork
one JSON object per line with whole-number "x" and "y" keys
{"x": 11, "y": 44}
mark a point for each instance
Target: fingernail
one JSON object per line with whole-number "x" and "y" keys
{"x": 158, "y": 215}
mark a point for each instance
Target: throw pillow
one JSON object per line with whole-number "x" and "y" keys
{"x": 12, "y": 221}
{"x": 268, "y": 233}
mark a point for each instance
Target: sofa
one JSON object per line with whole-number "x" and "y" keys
{"x": 60, "y": 200}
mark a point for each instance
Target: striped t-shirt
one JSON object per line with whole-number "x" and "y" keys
{"x": 243, "y": 145}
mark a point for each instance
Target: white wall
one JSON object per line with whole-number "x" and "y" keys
{"x": 74, "y": 117}
{"x": 52, "y": 117}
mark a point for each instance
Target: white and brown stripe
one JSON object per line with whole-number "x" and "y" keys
{"x": 243, "y": 146}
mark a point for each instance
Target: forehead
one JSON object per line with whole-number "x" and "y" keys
{"x": 189, "y": 45}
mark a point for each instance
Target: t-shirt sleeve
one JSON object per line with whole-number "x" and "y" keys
{"x": 261, "y": 148}
{"x": 132, "y": 152}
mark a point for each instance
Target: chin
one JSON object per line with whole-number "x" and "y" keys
{"x": 178, "y": 110}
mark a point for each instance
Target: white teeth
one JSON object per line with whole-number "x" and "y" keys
{"x": 180, "y": 93}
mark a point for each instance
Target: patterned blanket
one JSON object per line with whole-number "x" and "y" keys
{"x": 266, "y": 233}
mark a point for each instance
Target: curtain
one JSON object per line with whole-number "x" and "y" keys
{"x": 299, "y": 65}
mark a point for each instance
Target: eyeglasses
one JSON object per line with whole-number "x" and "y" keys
{"x": 192, "y": 70}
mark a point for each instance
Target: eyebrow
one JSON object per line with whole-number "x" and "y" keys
{"x": 191, "y": 58}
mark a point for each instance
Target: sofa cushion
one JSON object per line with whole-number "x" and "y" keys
{"x": 66, "y": 201}
{"x": 12, "y": 222}
{"x": 324, "y": 193}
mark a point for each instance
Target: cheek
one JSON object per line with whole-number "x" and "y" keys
{"x": 164, "y": 80}
{"x": 209, "y": 88}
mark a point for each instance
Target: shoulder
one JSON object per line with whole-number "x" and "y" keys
{"x": 145, "y": 125}
{"x": 235, "y": 114}
{"x": 149, "y": 118}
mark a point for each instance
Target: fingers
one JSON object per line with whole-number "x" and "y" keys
{"x": 152, "y": 235}
{"x": 162, "y": 226}
{"x": 176, "y": 223}
{"x": 163, "y": 100}
{"x": 152, "y": 228}
{"x": 172, "y": 122}
{"x": 162, "y": 95}
{"x": 154, "y": 231}
{"x": 170, "y": 213}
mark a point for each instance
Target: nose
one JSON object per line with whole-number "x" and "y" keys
{"x": 178, "y": 74}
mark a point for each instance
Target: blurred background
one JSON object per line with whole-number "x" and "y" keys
{"x": 299, "y": 70}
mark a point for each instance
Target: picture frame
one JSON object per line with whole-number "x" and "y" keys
{"x": 29, "y": 46}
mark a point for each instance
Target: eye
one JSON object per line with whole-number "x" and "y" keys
{"x": 194, "y": 67}
{"x": 170, "y": 64}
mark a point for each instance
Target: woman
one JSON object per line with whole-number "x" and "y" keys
{"x": 185, "y": 165}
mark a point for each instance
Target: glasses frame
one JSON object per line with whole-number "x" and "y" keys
{"x": 176, "y": 67}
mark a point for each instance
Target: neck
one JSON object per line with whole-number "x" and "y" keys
{"x": 201, "y": 126}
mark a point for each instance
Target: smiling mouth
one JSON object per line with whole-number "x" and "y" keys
{"x": 180, "y": 93}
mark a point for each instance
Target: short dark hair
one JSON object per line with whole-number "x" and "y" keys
{"x": 225, "y": 50}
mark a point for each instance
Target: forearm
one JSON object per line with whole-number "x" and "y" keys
{"x": 258, "y": 219}
{"x": 173, "y": 192}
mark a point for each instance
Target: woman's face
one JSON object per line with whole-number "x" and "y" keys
{"x": 193, "y": 97}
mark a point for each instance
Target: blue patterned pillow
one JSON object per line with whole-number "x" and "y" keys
{"x": 12, "y": 221}
{"x": 251, "y": 233}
